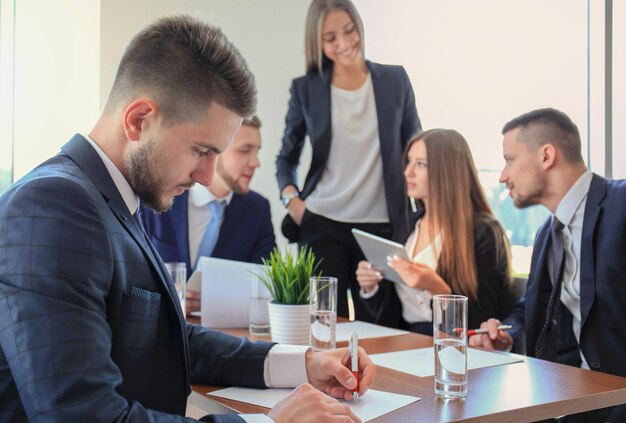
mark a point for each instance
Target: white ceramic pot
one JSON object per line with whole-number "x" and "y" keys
{"x": 289, "y": 324}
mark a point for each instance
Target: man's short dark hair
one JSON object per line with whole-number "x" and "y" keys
{"x": 548, "y": 126}
{"x": 185, "y": 65}
{"x": 253, "y": 122}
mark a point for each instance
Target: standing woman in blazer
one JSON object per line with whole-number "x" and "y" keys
{"x": 358, "y": 116}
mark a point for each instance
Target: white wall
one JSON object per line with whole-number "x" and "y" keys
{"x": 269, "y": 34}
{"x": 477, "y": 64}
{"x": 57, "y": 59}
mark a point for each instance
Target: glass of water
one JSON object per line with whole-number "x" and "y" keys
{"x": 449, "y": 333}
{"x": 259, "y": 315}
{"x": 178, "y": 272}
{"x": 323, "y": 306}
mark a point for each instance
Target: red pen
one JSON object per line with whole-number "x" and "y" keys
{"x": 353, "y": 346}
{"x": 472, "y": 332}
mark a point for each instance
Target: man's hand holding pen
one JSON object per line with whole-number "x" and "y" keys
{"x": 494, "y": 339}
{"x": 329, "y": 372}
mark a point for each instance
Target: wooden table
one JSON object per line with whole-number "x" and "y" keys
{"x": 519, "y": 392}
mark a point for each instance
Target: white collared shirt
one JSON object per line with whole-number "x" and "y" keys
{"x": 128, "y": 195}
{"x": 416, "y": 302}
{"x": 199, "y": 215}
{"x": 571, "y": 212}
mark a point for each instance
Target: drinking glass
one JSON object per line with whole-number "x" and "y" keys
{"x": 323, "y": 307}
{"x": 259, "y": 315}
{"x": 178, "y": 272}
{"x": 449, "y": 333}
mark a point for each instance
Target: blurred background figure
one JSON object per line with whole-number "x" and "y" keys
{"x": 225, "y": 220}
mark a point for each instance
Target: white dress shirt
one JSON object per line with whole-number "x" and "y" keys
{"x": 571, "y": 212}
{"x": 199, "y": 215}
{"x": 351, "y": 187}
{"x": 284, "y": 365}
{"x": 415, "y": 302}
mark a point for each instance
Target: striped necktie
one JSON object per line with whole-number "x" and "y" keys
{"x": 546, "y": 342}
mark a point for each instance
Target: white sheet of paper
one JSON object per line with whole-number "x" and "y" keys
{"x": 421, "y": 362}
{"x": 365, "y": 330}
{"x": 226, "y": 290}
{"x": 194, "y": 283}
{"x": 373, "y": 404}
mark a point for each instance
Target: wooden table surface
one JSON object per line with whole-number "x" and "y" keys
{"x": 519, "y": 392}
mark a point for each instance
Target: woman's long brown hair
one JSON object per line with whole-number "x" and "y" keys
{"x": 456, "y": 202}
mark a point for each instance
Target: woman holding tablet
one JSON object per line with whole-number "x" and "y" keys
{"x": 457, "y": 245}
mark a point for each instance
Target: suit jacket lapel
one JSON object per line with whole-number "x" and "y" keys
{"x": 540, "y": 277}
{"x": 319, "y": 98}
{"x": 180, "y": 220}
{"x": 385, "y": 109}
{"x": 597, "y": 191}
{"x": 89, "y": 161}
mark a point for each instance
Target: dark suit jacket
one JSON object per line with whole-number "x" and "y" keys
{"x": 90, "y": 324}
{"x": 309, "y": 114}
{"x": 494, "y": 292}
{"x": 602, "y": 281}
{"x": 246, "y": 233}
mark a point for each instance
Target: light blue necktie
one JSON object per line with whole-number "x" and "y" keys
{"x": 207, "y": 245}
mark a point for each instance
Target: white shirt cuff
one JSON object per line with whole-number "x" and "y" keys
{"x": 256, "y": 418}
{"x": 366, "y": 295}
{"x": 285, "y": 366}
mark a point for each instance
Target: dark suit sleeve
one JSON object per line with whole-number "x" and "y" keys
{"x": 221, "y": 359}
{"x": 265, "y": 240}
{"x": 55, "y": 275}
{"x": 494, "y": 296}
{"x": 410, "y": 120}
{"x": 293, "y": 140}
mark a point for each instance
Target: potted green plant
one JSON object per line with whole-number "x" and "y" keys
{"x": 286, "y": 276}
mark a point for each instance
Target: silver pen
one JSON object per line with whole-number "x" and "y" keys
{"x": 353, "y": 346}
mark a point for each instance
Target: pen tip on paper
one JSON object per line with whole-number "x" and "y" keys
{"x": 355, "y": 397}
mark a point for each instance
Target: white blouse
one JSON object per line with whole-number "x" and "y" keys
{"x": 416, "y": 302}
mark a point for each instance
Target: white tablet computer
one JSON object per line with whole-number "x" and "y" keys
{"x": 376, "y": 250}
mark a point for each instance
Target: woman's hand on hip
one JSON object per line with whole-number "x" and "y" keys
{"x": 296, "y": 210}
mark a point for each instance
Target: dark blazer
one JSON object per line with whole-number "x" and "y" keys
{"x": 246, "y": 233}
{"x": 494, "y": 294}
{"x": 309, "y": 114}
{"x": 602, "y": 281}
{"x": 90, "y": 324}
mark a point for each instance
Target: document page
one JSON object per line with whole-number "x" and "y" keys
{"x": 365, "y": 330}
{"x": 373, "y": 404}
{"x": 421, "y": 362}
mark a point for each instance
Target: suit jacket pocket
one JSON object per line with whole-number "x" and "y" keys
{"x": 141, "y": 302}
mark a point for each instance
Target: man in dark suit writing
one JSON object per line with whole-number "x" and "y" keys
{"x": 577, "y": 281}
{"x": 90, "y": 325}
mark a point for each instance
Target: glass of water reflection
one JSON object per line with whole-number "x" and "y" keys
{"x": 323, "y": 306}
{"x": 178, "y": 272}
{"x": 449, "y": 333}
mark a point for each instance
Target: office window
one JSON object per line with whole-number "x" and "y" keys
{"x": 476, "y": 65}
{"x": 6, "y": 92}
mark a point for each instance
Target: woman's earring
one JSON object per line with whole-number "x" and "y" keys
{"x": 413, "y": 205}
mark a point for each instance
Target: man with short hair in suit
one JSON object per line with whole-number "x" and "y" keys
{"x": 242, "y": 229}
{"x": 577, "y": 281}
{"x": 91, "y": 327}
